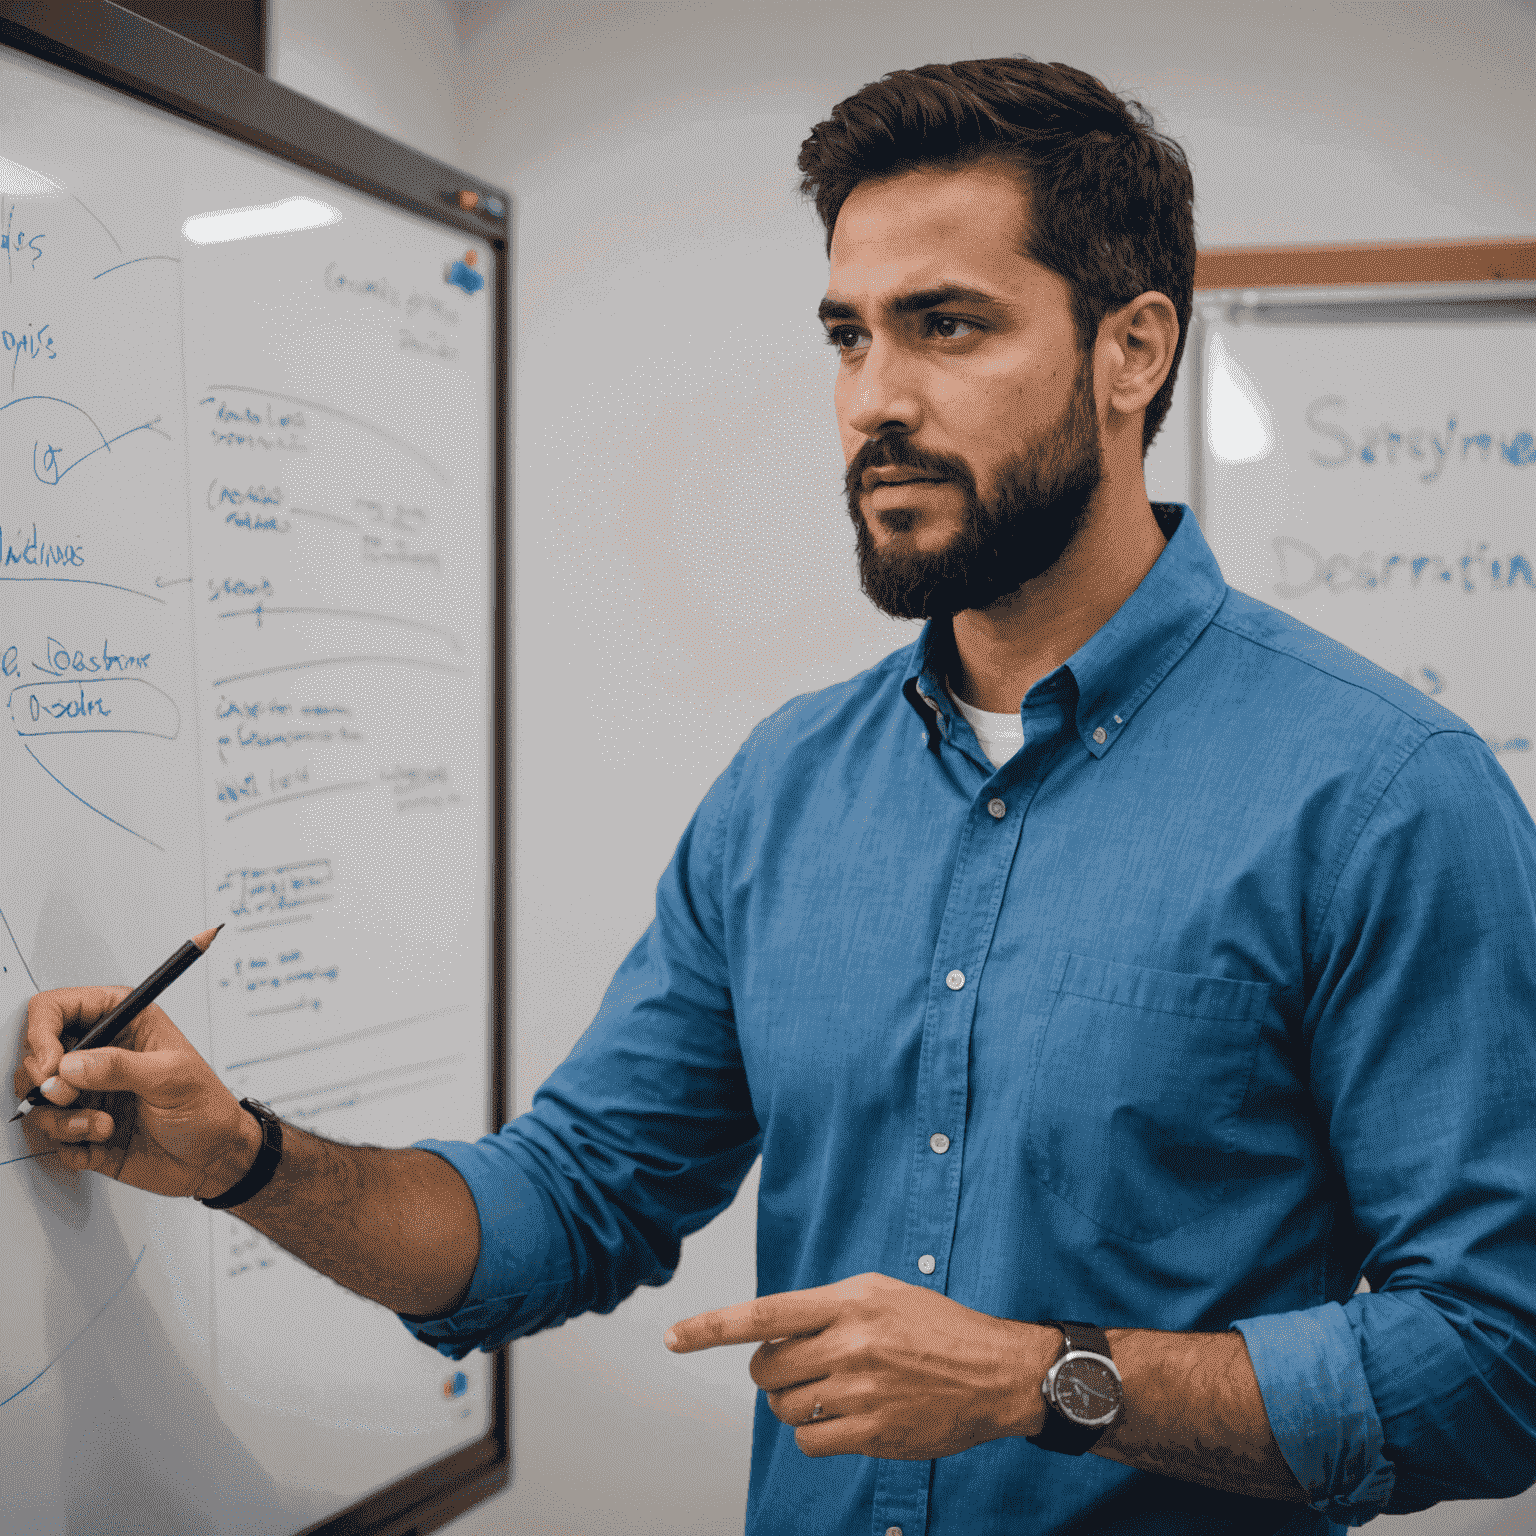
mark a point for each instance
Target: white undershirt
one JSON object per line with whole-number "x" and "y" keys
{"x": 1000, "y": 735}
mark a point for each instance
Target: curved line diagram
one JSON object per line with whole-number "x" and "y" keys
{"x": 85, "y": 581}
{"x": 298, "y": 794}
{"x": 347, "y": 1039}
{"x": 50, "y": 680}
{"x": 102, "y": 1308}
{"x": 343, "y": 661}
{"x": 349, "y": 613}
{"x": 330, "y": 517}
{"x": 106, "y": 442}
{"x": 86, "y": 803}
{"x": 133, "y": 261}
{"x": 107, "y": 232}
{"x": 356, "y": 421}
{"x": 22, "y": 400}
{"x": 58, "y": 474}
{"x": 5, "y": 921}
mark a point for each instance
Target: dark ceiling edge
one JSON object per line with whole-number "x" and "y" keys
{"x": 114, "y": 45}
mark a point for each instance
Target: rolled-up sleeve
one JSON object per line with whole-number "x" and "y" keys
{"x": 1421, "y": 1049}
{"x": 638, "y": 1138}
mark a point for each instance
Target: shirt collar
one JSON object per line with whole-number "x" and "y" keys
{"x": 1116, "y": 670}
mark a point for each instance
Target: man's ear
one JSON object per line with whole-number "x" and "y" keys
{"x": 1144, "y": 335}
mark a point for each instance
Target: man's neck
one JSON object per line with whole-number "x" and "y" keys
{"x": 1004, "y": 650}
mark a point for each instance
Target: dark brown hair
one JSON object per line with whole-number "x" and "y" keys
{"x": 1112, "y": 201}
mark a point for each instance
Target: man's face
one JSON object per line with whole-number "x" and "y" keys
{"x": 966, "y": 413}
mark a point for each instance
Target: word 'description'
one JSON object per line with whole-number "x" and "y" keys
{"x": 1303, "y": 569}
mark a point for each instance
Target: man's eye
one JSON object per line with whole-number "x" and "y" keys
{"x": 843, "y": 337}
{"x": 950, "y": 328}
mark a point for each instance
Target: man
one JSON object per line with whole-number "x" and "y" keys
{"x": 1108, "y": 981}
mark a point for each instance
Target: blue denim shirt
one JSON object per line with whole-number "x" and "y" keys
{"x": 1222, "y": 991}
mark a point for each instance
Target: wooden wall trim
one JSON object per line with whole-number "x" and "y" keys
{"x": 1309, "y": 266}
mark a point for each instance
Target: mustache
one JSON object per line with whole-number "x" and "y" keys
{"x": 898, "y": 452}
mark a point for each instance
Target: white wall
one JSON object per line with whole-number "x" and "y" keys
{"x": 397, "y": 65}
{"x": 684, "y": 559}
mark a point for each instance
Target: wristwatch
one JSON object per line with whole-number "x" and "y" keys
{"x": 1082, "y": 1391}
{"x": 266, "y": 1159}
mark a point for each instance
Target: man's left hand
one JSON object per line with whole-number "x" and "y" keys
{"x": 872, "y": 1366}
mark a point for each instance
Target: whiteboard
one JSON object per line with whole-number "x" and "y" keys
{"x": 247, "y": 590}
{"x": 1366, "y": 461}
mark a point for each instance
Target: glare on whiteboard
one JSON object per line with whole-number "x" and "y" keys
{"x": 1237, "y": 421}
{"x": 18, "y": 181}
{"x": 264, "y": 219}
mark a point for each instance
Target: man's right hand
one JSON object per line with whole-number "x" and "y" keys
{"x": 147, "y": 1110}
{"x": 395, "y": 1224}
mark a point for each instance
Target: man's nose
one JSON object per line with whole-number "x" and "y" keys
{"x": 883, "y": 397}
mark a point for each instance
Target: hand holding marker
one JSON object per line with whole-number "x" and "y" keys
{"x": 107, "y": 1028}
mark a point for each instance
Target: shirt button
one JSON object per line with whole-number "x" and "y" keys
{"x": 939, "y": 1142}
{"x": 1099, "y": 735}
{"x": 893, "y": 1530}
{"x": 955, "y": 980}
{"x": 926, "y": 1263}
{"x": 998, "y": 808}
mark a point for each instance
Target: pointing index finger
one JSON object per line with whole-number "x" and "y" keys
{"x": 788, "y": 1314}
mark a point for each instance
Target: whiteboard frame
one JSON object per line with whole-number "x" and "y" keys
{"x": 1364, "y": 302}
{"x": 115, "y": 47}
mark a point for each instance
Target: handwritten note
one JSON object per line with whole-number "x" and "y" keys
{"x": 245, "y": 648}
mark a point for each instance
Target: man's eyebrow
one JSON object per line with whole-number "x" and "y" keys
{"x": 908, "y": 303}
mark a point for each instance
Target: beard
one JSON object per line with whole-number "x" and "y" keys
{"x": 1040, "y": 503}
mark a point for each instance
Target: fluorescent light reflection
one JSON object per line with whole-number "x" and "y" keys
{"x": 265, "y": 219}
{"x": 18, "y": 181}
{"x": 1237, "y": 421}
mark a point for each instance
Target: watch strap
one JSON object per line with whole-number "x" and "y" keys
{"x": 1059, "y": 1433}
{"x": 1076, "y": 1336}
{"x": 263, "y": 1168}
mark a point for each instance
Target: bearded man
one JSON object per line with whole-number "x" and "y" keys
{"x": 1110, "y": 980}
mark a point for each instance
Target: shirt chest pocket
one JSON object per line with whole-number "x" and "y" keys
{"x": 1138, "y": 1085}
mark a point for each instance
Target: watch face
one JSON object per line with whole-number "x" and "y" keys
{"x": 1087, "y": 1390}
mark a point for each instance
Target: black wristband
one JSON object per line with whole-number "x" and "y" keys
{"x": 1059, "y": 1433}
{"x": 266, "y": 1162}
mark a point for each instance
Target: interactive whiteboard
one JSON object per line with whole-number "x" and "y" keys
{"x": 249, "y": 591}
{"x": 1366, "y": 460}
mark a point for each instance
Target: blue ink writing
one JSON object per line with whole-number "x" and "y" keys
{"x": 240, "y": 426}
{"x": 237, "y": 498}
{"x": 38, "y": 552}
{"x": 278, "y": 887}
{"x": 233, "y": 586}
{"x": 72, "y": 708}
{"x": 1383, "y": 443}
{"x": 221, "y": 495}
{"x": 18, "y": 245}
{"x": 1303, "y": 569}
{"x": 263, "y": 982}
{"x": 379, "y": 288}
{"x": 32, "y": 343}
{"x": 62, "y": 661}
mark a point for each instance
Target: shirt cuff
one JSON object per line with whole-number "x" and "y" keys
{"x": 520, "y": 1237}
{"x": 1321, "y": 1410}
